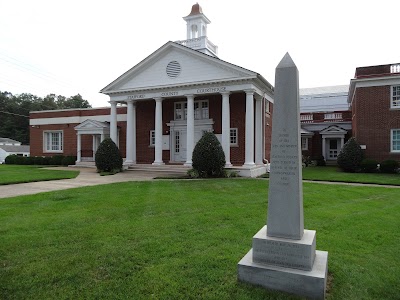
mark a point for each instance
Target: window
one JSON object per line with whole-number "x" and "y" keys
{"x": 53, "y": 141}
{"x": 395, "y": 103}
{"x": 233, "y": 137}
{"x": 395, "y": 140}
{"x": 267, "y": 106}
{"x": 152, "y": 137}
{"x": 177, "y": 141}
{"x": 304, "y": 143}
{"x": 200, "y": 110}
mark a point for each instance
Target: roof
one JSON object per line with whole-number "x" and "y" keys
{"x": 18, "y": 149}
{"x": 196, "y": 10}
{"x": 106, "y": 89}
{"x": 7, "y": 140}
{"x": 324, "y": 99}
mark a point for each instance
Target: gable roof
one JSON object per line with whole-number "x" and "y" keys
{"x": 92, "y": 124}
{"x": 137, "y": 79}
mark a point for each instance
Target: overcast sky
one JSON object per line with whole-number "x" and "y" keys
{"x": 80, "y": 46}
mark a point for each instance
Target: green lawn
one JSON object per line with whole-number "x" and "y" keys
{"x": 183, "y": 240}
{"x": 329, "y": 173}
{"x": 10, "y": 174}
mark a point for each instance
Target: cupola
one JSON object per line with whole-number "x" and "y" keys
{"x": 196, "y": 24}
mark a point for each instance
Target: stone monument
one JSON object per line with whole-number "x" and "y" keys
{"x": 284, "y": 255}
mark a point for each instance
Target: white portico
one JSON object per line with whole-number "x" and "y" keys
{"x": 185, "y": 92}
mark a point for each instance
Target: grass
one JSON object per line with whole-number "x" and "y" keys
{"x": 183, "y": 240}
{"x": 331, "y": 173}
{"x": 11, "y": 174}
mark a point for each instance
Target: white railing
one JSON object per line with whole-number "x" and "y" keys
{"x": 199, "y": 43}
{"x": 333, "y": 116}
{"x": 395, "y": 68}
{"x": 308, "y": 117}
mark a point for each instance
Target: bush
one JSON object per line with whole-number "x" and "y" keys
{"x": 11, "y": 159}
{"x": 47, "y": 160}
{"x": 29, "y": 160}
{"x": 208, "y": 156}
{"x": 369, "y": 165}
{"x": 38, "y": 160}
{"x": 350, "y": 157}
{"x": 108, "y": 158}
{"x": 192, "y": 173}
{"x": 389, "y": 166}
{"x": 68, "y": 160}
{"x": 318, "y": 161}
{"x": 56, "y": 160}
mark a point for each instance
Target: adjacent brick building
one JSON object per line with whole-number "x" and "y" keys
{"x": 374, "y": 98}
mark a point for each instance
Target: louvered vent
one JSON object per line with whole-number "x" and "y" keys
{"x": 173, "y": 69}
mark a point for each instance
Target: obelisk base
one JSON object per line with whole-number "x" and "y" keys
{"x": 292, "y": 266}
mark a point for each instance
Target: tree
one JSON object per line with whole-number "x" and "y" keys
{"x": 14, "y": 111}
{"x": 209, "y": 157}
{"x": 350, "y": 157}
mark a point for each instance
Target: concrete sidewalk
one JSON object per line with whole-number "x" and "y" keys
{"x": 86, "y": 177}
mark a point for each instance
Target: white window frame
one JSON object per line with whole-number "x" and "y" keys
{"x": 48, "y": 144}
{"x": 152, "y": 142}
{"x": 201, "y": 113}
{"x": 267, "y": 106}
{"x": 392, "y": 140}
{"x": 304, "y": 143}
{"x": 397, "y": 96}
{"x": 235, "y": 130}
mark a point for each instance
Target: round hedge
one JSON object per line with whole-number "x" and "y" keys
{"x": 350, "y": 157}
{"x": 108, "y": 158}
{"x": 208, "y": 156}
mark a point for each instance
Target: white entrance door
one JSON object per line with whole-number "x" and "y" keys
{"x": 179, "y": 145}
{"x": 333, "y": 149}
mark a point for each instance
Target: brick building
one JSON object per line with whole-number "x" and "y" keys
{"x": 160, "y": 108}
{"x": 374, "y": 98}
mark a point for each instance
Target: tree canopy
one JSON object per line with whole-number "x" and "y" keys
{"x": 14, "y": 111}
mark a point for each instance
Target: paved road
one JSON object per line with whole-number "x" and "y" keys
{"x": 86, "y": 177}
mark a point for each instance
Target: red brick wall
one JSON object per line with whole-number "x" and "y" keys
{"x": 268, "y": 132}
{"x": 238, "y": 120}
{"x": 374, "y": 119}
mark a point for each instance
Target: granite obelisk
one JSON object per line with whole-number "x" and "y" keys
{"x": 283, "y": 256}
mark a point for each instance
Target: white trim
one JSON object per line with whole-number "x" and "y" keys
{"x": 74, "y": 120}
{"x": 391, "y": 140}
{"x": 45, "y": 137}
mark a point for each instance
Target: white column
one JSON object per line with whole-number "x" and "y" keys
{"x": 130, "y": 133}
{"x": 324, "y": 148}
{"x": 113, "y": 123}
{"x": 102, "y": 137}
{"x": 189, "y": 130}
{"x": 249, "y": 146}
{"x": 78, "y": 148}
{"x": 226, "y": 128}
{"x": 93, "y": 145}
{"x": 158, "y": 133}
{"x": 259, "y": 139}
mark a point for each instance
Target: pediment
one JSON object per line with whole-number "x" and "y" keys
{"x": 333, "y": 130}
{"x": 174, "y": 65}
{"x": 92, "y": 124}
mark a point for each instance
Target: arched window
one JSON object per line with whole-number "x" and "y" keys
{"x": 195, "y": 32}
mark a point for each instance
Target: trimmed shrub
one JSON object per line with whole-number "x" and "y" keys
{"x": 29, "y": 160}
{"x": 68, "y": 160}
{"x": 108, "y": 158}
{"x": 319, "y": 161}
{"x": 208, "y": 156}
{"x": 389, "y": 166}
{"x": 47, "y": 160}
{"x": 38, "y": 160}
{"x": 56, "y": 160}
{"x": 11, "y": 159}
{"x": 350, "y": 157}
{"x": 369, "y": 165}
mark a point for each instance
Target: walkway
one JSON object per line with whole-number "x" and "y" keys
{"x": 86, "y": 177}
